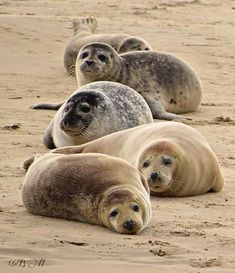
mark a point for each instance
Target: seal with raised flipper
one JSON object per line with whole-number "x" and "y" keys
{"x": 167, "y": 83}
{"x": 91, "y": 188}
{"x": 95, "y": 110}
{"x": 83, "y": 33}
{"x": 175, "y": 158}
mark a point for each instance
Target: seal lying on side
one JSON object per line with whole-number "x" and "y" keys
{"x": 95, "y": 110}
{"x": 92, "y": 188}
{"x": 166, "y": 82}
{"x": 83, "y": 30}
{"x": 175, "y": 159}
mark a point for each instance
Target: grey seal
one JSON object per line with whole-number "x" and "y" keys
{"x": 91, "y": 188}
{"x": 175, "y": 159}
{"x": 95, "y": 110}
{"x": 167, "y": 83}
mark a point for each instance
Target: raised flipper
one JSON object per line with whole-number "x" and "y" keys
{"x": 48, "y": 138}
{"x": 47, "y": 106}
{"x": 29, "y": 161}
{"x": 159, "y": 112}
{"x": 84, "y": 24}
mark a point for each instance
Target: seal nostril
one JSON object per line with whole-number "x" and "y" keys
{"x": 129, "y": 225}
{"x": 154, "y": 176}
{"x": 89, "y": 62}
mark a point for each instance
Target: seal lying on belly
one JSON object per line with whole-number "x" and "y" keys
{"x": 95, "y": 110}
{"x": 84, "y": 29}
{"x": 175, "y": 159}
{"x": 167, "y": 83}
{"x": 92, "y": 188}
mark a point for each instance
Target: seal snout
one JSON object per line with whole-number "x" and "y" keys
{"x": 129, "y": 225}
{"x": 154, "y": 176}
{"x": 89, "y": 62}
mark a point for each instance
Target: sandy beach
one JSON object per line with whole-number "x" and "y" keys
{"x": 185, "y": 235}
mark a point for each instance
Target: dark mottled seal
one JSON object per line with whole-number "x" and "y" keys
{"x": 166, "y": 82}
{"x": 95, "y": 110}
{"x": 91, "y": 188}
{"x": 84, "y": 29}
{"x": 175, "y": 159}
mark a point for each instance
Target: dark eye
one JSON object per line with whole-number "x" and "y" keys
{"x": 102, "y": 58}
{"x": 146, "y": 48}
{"x": 84, "y": 55}
{"x": 85, "y": 109}
{"x": 136, "y": 208}
{"x": 146, "y": 164}
{"x": 166, "y": 161}
{"x": 113, "y": 213}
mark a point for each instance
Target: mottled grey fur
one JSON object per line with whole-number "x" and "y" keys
{"x": 113, "y": 107}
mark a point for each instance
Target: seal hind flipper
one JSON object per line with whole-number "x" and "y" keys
{"x": 47, "y": 106}
{"x": 47, "y": 138}
{"x": 159, "y": 112}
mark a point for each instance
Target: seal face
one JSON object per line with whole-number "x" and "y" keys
{"x": 84, "y": 29}
{"x": 95, "y": 110}
{"x": 172, "y": 157}
{"x": 158, "y": 164}
{"x": 78, "y": 113}
{"x": 92, "y": 188}
{"x": 166, "y": 82}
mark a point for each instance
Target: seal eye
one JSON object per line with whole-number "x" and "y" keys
{"x": 146, "y": 164}
{"x": 146, "y": 48}
{"x": 84, "y": 55}
{"x": 166, "y": 161}
{"x": 113, "y": 213}
{"x": 136, "y": 208}
{"x": 102, "y": 58}
{"x": 85, "y": 109}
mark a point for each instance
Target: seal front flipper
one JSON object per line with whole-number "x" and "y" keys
{"x": 48, "y": 138}
{"x": 69, "y": 149}
{"x": 47, "y": 106}
{"x": 159, "y": 112}
{"x": 29, "y": 161}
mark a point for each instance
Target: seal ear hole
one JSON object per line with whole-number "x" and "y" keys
{"x": 167, "y": 161}
{"x": 146, "y": 164}
{"x": 136, "y": 208}
{"x": 84, "y": 55}
{"x": 102, "y": 58}
{"x": 114, "y": 213}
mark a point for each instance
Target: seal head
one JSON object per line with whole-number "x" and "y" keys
{"x": 96, "y": 61}
{"x": 158, "y": 163}
{"x": 81, "y": 111}
{"x": 125, "y": 210}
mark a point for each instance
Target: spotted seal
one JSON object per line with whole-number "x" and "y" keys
{"x": 95, "y": 110}
{"x": 175, "y": 158}
{"x": 168, "y": 84}
{"x": 91, "y": 188}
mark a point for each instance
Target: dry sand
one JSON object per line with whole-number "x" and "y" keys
{"x": 193, "y": 234}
